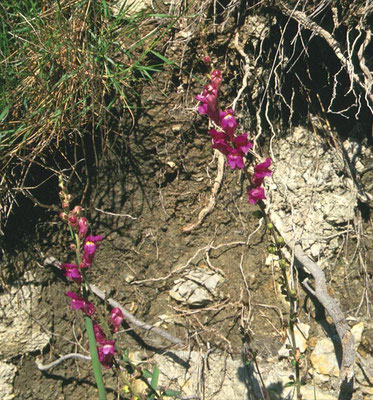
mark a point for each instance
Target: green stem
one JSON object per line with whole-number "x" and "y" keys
{"x": 95, "y": 360}
{"x": 291, "y": 299}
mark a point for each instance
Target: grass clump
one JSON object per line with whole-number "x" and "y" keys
{"x": 69, "y": 71}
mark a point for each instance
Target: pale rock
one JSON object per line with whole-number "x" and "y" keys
{"x": 310, "y": 198}
{"x": 357, "y": 332}
{"x": 316, "y": 250}
{"x": 130, "y": 7}
{"x": 7, "y": 375}
{"x": 323, "y": 358}
{"x": 301, "y": 333}
{"x": 272, "y": 259}
{"x": 197, "y": 288}
{"x": 19, "y": 334}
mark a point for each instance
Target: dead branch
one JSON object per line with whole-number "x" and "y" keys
{"x": 44, "y": 367}
{"x": 132, "y": 319}
{"x": 113, "y": 303}
{"x": 215, "y": 189}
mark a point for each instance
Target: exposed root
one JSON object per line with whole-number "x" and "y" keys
{"x": 215, "y": 189}
{"x": 346, "y": 62}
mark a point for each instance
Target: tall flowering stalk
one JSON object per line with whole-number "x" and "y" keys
{"x": 101, "y": 347}
{"x": 236, "y": 148}
{"x": 225, "y": 139}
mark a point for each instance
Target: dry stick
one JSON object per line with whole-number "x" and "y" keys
{"x": 304, "y": 20}
{"x": 131, "y": 318}
{"x": 329, "y": 303}
{"x": 205, "y": 211}
{"x": 44, "y": 367}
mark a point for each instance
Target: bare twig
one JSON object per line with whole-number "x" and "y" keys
{"x": 129, "y": 317}
{"x": 44, "y": 367}
{"x": 132, "y": 319}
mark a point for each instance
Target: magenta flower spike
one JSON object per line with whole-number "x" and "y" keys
{"x": 72, "y": 272}
{"x": 256, "y": 194}
{"x": 116, "y": 317}
{"x": 78, "y": 303}
{"x": 106, "y": 353}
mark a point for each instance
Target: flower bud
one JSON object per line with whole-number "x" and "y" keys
{"x": 83, "y": 226}
{"x": 77, "y": 210}
{"x": 206, "y": 59}
{"x": 272, "y": 250}
{"x": 270, "y": 225}
{"x": 280, "y": 240}
{"x": 63, "y": 216}
{"x": 73, "y": 221}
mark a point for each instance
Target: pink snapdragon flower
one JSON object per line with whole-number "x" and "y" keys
{"x": 99, "y": 333}
{"x": 261, "y": 171}
{"x": 72, "y": 272}
{"x": 209, "y": 100}
{"x": 235, "y": 159}
{"x": 91, "y": 244}
{"x": 242, "y": 143}
{"x": 227, "y": 121}
{"x": 106, "y": 353}
{"x": 255, "y": 194}
{"x": 78, "y": 303}
{"x": 116, "y": 317}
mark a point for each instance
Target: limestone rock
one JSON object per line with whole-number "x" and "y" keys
{"x": 310, "y": 194}
{"x": 19, "y": 334}
{"x": 301, "y": 333}
{"x": 7, "y": 375}
{"x": 197, "y": 288}
{"x": 323, "y": 357}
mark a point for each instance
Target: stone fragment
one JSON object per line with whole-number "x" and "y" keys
{"x": 197, "y": 288}
{"x": 7, "y": 375}
{"x": 323, "y": 357}
{"x": 301, "y": 333}
{"x": 19, "y": 334}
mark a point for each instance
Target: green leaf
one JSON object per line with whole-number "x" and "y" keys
{"x": 164, "y": 59}
{"x": 147, "y": 374}
{"x": 4, "y": 113}
{"x": 171, "y": 393}
{"x": 155, "y": 377}
{"x": 125, "y": 357}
